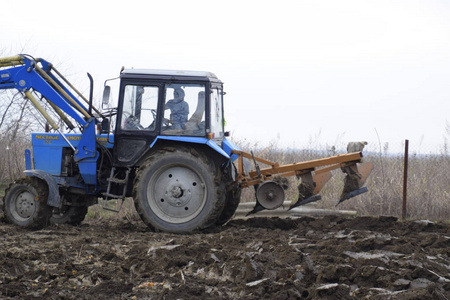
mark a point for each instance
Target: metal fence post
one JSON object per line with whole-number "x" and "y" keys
{"x": 405, "y": 179}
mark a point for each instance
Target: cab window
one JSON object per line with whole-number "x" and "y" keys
{"x": 139, "y": 107}
{"x": 184, "y": 110}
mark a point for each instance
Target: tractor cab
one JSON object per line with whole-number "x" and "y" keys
{"x": 164, "y": 104}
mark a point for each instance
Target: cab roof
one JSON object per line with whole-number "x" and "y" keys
{"x": 169, "y": 74}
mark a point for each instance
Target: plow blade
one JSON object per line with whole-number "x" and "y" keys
{"x": 310, "y": 199}
{"x": 356, "y": 175}
{"x": 310, "y": 187}
{"x": 352, "y": 194}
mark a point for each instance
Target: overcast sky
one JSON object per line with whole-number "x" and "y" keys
{"x": 295, "y": 72}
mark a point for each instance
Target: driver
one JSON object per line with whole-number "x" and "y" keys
{"x": 179, "y": 109}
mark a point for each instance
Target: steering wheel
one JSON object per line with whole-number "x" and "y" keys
{"x": 131, "y": 122}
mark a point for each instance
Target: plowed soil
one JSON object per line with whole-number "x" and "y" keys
{"x": 260, "y": 258}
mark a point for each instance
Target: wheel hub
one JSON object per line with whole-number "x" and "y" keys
{"x": 25, "y": 205}
{"x": 177, "y": 194}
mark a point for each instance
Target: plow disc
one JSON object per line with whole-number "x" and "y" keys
{"x": 270, "y": 195}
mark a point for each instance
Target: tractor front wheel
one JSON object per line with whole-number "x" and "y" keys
{"x": 71, "y": 214}
{"x": 178, "y": 191}
{"x": 25, "y": 203}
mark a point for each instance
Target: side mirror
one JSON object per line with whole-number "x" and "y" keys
{"x": 106, "y": 94}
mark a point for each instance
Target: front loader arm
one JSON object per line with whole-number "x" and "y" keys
{"x": 28, "y": 76}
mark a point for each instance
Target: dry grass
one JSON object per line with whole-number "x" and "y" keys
{"x": 126, "y": 210}
{"x": 428, "y": 181}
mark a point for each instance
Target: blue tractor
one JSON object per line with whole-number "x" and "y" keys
{"x": 168, "y": 151}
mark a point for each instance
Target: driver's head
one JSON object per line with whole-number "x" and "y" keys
{"x": 178, "y": 94}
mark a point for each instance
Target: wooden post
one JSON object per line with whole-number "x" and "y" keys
{"x": 405, "y": 179}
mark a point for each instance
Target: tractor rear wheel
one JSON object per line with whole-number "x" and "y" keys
{"x": 25, "y": 203}
{"x": 233, "y": 197}
{"x": 179, "y": 191}
{"x": 72, "y": 215}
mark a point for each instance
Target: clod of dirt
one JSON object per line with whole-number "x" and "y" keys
{"x": 332, "y": 257}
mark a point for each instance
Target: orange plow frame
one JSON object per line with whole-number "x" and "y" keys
{"x": 314, "y": 175}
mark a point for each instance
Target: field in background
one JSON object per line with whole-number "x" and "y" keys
{"x": 428, "y": 181}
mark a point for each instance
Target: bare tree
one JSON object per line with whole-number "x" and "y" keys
{"x": 16, "y": 124}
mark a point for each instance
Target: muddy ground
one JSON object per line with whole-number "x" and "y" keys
{"x": 330, "y": 257}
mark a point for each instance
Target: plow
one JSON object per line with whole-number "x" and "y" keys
{"x": 270, "y": 182}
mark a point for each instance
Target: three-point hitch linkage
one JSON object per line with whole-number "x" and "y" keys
{"x": 271, "y": 182}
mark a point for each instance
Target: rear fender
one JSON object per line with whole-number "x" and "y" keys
{"x": 228, "y": 146}
{"x": 195, "y": 140}
{"x": 53, "y": 192}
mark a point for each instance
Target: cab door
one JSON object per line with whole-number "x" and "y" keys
{"x": 137, "y": 121}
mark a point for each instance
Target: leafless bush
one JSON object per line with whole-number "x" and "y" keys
{"x": 12, "y": 163}
{"x": 17, "y": 121}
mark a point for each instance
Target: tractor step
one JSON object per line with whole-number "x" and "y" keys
{"x": 111, "y": 209}
{"x": 112, "y": 196}
{"x": 117, "y": 180}
{"x": 121, "y": 182}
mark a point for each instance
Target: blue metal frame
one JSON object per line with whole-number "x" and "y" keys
{"x": 86, "y": 155}
{"x": 47, "y": 150}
